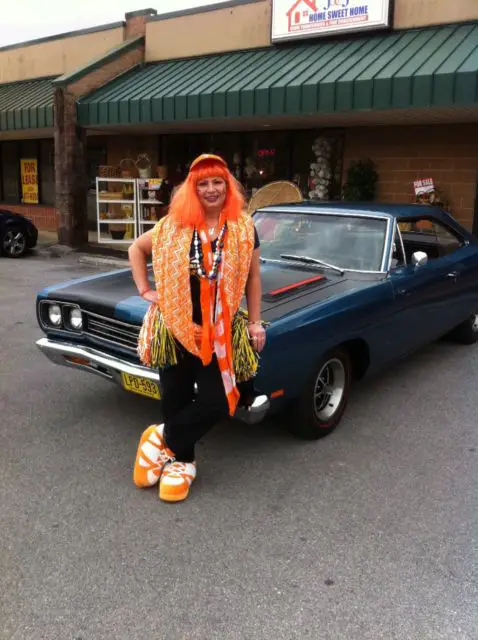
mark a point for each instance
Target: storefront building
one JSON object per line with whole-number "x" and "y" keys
{"x": 282, "y": 89}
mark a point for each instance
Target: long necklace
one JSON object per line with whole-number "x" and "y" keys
{"x": 197, "y": 262}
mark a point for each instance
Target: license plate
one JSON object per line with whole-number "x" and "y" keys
{"x": 140, "y": 385}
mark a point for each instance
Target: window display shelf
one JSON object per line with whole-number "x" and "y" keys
{"x": 107, "y": 201}
{"x": 117, "y": 221}
{"x": 123, "y": 193}
{"x": 112, "y": 241}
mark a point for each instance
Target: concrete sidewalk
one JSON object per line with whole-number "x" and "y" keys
{"x": 94, "y": 253}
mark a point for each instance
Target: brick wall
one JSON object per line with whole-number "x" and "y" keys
{"x": 44, "y": 218}
{"x": 446, "y": 153}
{"x": 135, "y": 27}
{"x": 107, "y": 72}
{"x": 70, "y": 174}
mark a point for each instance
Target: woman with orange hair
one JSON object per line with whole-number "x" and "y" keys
{"x": 205, "y": 257}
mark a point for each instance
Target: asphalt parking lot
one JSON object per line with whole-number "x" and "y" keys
{"x": 367, "y": 534}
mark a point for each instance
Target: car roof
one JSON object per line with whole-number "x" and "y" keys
{"x": 393, "y": 210}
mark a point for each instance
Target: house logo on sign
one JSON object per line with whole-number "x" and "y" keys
{"x": 307, "y": 15}
{"x": 298, "y": 14}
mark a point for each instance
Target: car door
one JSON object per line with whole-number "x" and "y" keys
{"x": 462, "y": 254}
{"x": 424, "y": 294}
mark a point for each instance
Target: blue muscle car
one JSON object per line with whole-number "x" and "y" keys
{"x": 347, "y": 289}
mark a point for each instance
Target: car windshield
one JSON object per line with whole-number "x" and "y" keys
{"x": 345, "y": 241}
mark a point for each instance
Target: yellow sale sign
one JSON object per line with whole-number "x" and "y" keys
{"x": 29, "y": 173}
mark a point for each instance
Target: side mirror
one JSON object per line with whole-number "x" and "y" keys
{"x": 419, "y": 259}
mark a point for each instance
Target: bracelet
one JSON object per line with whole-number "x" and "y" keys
{"x": 257, "y": 322}
{"x": 144, "y": 292}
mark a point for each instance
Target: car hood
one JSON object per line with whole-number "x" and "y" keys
{"x": 285, "y": 289}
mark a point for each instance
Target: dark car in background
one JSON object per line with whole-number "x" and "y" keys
{"x": 18, "y": 234}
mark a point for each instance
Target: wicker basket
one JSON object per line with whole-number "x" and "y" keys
{"x": 280, "y": 192}
{"x": 111, "y": 195}
{"x": 127, "y": 165}
{"x": 108, "y": 171}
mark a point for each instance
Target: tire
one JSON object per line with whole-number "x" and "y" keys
{"x": 14, "y": 242}
{"x": 466, "y": 332}
{"x": 317, "y": 414}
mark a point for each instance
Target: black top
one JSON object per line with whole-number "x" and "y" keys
{"x": 196, "y": 285}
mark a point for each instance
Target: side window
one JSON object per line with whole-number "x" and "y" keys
{"x": 428, "y": 235}
{"x": 399, "y": 258}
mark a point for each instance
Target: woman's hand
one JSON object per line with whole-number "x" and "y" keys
{"x": 258, "y": 336}
{"x": 150, "y": 296}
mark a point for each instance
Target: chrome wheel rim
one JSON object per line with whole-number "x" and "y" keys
{"x": 474, "y": 322}
{"x": 329, "y": 389}
{"x": 14, "y": 243}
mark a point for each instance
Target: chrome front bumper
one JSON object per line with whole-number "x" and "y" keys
{"x": 111, "y": 367}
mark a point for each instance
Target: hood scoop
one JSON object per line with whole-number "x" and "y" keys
{"x": 275, "y": 295}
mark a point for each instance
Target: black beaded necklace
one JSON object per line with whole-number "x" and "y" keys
{"x": 197, "y": 262}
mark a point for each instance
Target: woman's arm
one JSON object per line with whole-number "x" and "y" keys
{"x": 254, "y": 288}
{"x": 138, "y": 253}
{"x": 253, "y": 297}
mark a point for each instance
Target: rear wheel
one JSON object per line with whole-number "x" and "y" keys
{"x": 324, "y": 399}
{"x": 14, "y": 242}
{"x": 466, "y": 332}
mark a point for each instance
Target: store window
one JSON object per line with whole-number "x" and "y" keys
{"x": 229, "y": 147}
{"x": 47, "y": 173}
{"x": 178, "y": 151}
{"x": 96, "y": 157}
{"x": 266, "y": 159}
{"x": 10, "y": 177}
{"x": 27, "y": 172}
{"x": 258, "y": 158}
{"x": 317, "y": 157}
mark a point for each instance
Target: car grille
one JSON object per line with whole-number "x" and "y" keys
{"x": 118, "y": 333}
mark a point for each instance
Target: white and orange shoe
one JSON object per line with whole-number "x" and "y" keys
{"x": 176, "y": 480}
{"x": 151, "y": 457}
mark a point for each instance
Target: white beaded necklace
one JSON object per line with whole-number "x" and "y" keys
{"x": 197, "y": 262}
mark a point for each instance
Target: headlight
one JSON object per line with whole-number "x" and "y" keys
{"x": 76, "y": 319}
{"x": 54, "y": 315}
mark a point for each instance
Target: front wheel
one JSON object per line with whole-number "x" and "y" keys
{"x": 466, "y": 332}
{"x": 324, "y": 399}
{"x": 14, "y": 243}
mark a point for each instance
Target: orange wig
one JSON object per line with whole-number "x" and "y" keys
{"x": 186, "y": 208}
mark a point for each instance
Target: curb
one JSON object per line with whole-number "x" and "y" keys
{"x": 100, "y": 261}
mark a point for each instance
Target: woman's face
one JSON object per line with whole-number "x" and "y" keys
{"x": 212, "y": 193}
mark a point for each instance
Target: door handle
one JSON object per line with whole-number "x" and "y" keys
{"x": 453, "y": 274}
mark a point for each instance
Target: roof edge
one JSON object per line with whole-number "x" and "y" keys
{"x": 140, "y": 13}
{"x": 67, "y": 34}
{"x": 227, "y": 4}
{"x": 39, "y": 79}
{"x": 109, "y": 56}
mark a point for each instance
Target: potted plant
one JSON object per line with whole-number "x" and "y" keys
{"x": 361, "y": 184}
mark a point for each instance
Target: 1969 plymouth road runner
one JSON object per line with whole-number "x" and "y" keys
{"x": 347, "y": 289}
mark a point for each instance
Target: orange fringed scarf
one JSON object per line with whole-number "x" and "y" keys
{"x": 171, "y": 266}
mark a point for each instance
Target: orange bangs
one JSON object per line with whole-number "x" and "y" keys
{"x": 185, "y": 207}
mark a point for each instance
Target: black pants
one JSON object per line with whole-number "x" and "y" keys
{"x": 186, "y": 421}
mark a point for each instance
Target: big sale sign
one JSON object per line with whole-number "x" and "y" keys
{"x": 305, "y": 18}
{"x": 29, "y": 173}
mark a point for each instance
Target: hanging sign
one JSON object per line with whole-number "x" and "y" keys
{"x": 306, "y": 18}
{"x": 423, "y": 186}
{"x": 29, "y": 174}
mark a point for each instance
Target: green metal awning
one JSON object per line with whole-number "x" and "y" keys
{"x": 26, "y": 105}
{"x": 417, "y": 68}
